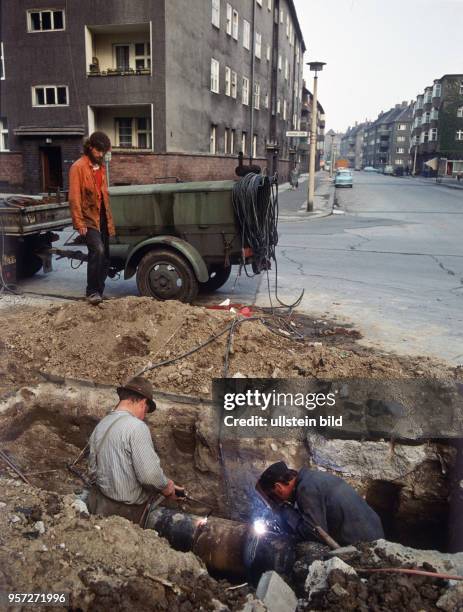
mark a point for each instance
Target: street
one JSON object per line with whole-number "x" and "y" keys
{"x": 392, "y": 264}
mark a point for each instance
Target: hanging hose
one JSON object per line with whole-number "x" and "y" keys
{"x": 255, "y": 202}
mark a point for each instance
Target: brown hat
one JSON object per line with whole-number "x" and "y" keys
{"x": 143, "y": 387}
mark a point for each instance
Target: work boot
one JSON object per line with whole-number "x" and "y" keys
{"x": 94, "y": 299}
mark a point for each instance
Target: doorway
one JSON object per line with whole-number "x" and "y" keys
{"x": 52, "y": 174}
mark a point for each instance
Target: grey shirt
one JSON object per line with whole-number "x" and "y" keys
{"x": 127, "y": 468}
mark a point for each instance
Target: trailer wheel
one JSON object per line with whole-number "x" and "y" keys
{"x": 28, "y": 265}
{"x": 166, "y": 275}
{"x": 218, "y": 276}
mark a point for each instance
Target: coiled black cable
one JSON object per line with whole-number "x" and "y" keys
{"x": 256, "y": 209}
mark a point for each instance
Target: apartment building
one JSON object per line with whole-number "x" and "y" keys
{"x": 387, "y": 139}
{"x": 352, "y": 143}
{"x": 437, "y": 129}
{"x": 180, "y": 87}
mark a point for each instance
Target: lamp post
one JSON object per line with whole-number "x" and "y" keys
{"x": 314, "y": 67}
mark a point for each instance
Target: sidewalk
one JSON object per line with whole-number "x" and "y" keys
{"x": 445, "y": 181}
{"x": 293, "y": 203}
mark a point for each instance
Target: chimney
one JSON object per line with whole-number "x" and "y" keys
{"x": 405, "y": 103}
{"x": 397, "y": 106}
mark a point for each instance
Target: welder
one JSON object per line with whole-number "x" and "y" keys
{"x": 318, "y": 506}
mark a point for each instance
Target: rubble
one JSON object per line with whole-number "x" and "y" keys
{"x": 275, "y": 594}
{"x": 317, "y": 578}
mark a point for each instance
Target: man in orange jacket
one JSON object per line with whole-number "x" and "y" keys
{"x": 91, "y": 211}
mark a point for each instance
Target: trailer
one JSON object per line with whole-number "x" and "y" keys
{"x": 28, "y": 227}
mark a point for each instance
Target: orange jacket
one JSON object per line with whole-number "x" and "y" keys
{"x": 83, "y": 197}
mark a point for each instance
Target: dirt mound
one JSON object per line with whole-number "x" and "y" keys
{"x": 111, "y": 342}
{"x": 104, "y": 564}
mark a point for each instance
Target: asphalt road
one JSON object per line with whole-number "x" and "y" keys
{"x": 392, "y": 265}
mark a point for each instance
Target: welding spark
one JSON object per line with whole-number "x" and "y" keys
{"x": 260, "y": 527}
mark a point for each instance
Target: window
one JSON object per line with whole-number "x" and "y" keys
{"x": 122, "y": 57}
{"x": 266, "y": 100}
{"x": 282, "y": 16}
{"x": 437, "y": 90}
{"x": 287, "y": 25}
{"x": 400, "y": 138}
{"x": 286, "y": 69}
{"x": 278, "y": 106}
{"x": 459, "y": 135}
{"x": 124, "y": 132}
{"x": 3, "y": 134}
{"x": 234, "y": 84}
{"x": 216, "y": 13}
{"x": 142, "y": 56}
{"x": 402, "y": 126}
{"x": 400, "y": 150}
{"x": 426, "y": 117}
{"x": 227, "y": 81}
{"x": 254, "y": 145}
{"x": 232, "y": 141}
{"x": 235, "y": 28}
{"x": 215, "y": 66}
{"x": 259, "y": 2}
{"x": 399, "y": 162}
{"x": 229, "y": 19}
{"x": 2, "y": 62}
{"x": 144, "y": 133}
{"x": 280, "y": 61}
{"x": 226, "y": 139}
{"x": 460, "y": 111}
{"x": 50, "y": 95}
{"x": 284, "y": 109}
{"x": 269, "y": 5}
{"x": 213, "y": 140}
{"x": 45, "y": 21}
{"x": 461, "y": 87}
{"x": 243, "y": 142}
{"x": 258, "y": 49}
{"x": 433, "y": 134}
{"x": 269, "y": 52}
{"x": 245, "y": 91}
{"x": 246, "y": 34}
{"x": 257, "y": 96}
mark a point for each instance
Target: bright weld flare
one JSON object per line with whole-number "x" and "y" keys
{"x": 260, "y": 527}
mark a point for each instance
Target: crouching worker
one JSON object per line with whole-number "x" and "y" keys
{"x": 318, "y": 506}
{"x": 123, "y": 464}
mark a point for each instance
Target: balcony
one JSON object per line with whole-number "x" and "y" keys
{"x": 118, "y": 50}
{"x": 128, "y": 127}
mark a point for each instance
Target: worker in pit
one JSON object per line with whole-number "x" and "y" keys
{"x": 313, "y": 505}
{"x": 123, "y": 465}
{"x": 91, "y": 211}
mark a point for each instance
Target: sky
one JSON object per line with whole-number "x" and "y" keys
{"x": 378, "y": 52}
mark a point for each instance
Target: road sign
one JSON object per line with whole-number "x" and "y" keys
{"x": 295, "y": 134}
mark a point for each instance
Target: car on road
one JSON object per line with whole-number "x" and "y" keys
{"x": 388, "y": 170}
{"x": 370, "y": 169}
{"x": 343, "y": 178}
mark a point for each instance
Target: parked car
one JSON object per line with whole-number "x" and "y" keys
{"x": 388, "y": 170}
{"x": 370, "y": 169}
{"x": 343, "y": 178}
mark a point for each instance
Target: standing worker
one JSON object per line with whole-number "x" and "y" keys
{"x": 308, "y": 499}
{"x": 123, "y": 464}
{"x": 91, "y": 211}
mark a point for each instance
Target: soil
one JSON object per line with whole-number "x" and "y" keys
{"x": 114, "y": 341}
{"x": 103, "y": 563}
{"x": 380, "y": 592}
{"x": 109, "y": 563}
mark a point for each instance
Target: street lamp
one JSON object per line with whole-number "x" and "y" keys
{"x": 314, "y": 67}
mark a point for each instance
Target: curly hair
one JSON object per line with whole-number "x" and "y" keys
{"x": 97, "y": 140}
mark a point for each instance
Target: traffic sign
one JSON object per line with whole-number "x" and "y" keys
{"x": 296, "y": 134}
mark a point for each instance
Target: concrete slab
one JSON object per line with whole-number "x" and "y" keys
{"x": 273, "y": 591}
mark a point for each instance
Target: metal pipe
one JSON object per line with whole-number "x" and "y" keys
{"x": 228, "y": 548}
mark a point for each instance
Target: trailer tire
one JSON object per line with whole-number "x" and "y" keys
{"x": 28, "y": 265}
{"x": 165, "y": 275}
{"x": 218, "y": 276}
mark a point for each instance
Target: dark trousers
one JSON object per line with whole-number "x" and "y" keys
{"x": 98, "y": 257}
